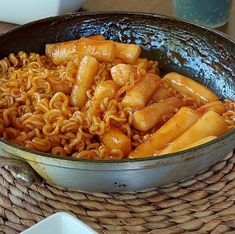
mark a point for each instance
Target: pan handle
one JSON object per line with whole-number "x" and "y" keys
{"x": 25, "y": 174}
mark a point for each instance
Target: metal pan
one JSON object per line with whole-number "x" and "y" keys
{"x": 204, "y": 54}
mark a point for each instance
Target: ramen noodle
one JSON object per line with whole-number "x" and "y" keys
{"x": 97, "y": 99}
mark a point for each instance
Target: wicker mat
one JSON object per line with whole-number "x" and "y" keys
{"x": 204, "y": 204}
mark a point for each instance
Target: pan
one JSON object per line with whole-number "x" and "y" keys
{"x": 203, "y": 54}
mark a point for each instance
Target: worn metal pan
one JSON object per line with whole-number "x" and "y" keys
{"x": 204, "y": 54}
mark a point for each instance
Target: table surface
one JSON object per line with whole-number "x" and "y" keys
{"x": 157, "y": 6}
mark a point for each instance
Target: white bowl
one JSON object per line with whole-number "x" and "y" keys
{"x": 60, "y": 223}
{"x": 24, "y": 11}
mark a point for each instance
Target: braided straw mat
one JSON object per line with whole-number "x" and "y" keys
{"x": 204, "y": 204}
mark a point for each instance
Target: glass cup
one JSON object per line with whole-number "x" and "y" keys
{"x": 210, "y": 13}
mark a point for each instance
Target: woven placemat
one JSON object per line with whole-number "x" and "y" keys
{"x": 204, "y": 204}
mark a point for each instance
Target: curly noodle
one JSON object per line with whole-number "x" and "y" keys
{"x": 35, "y": 109}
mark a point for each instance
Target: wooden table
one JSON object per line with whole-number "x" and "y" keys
{"x": 157, "y": 6}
